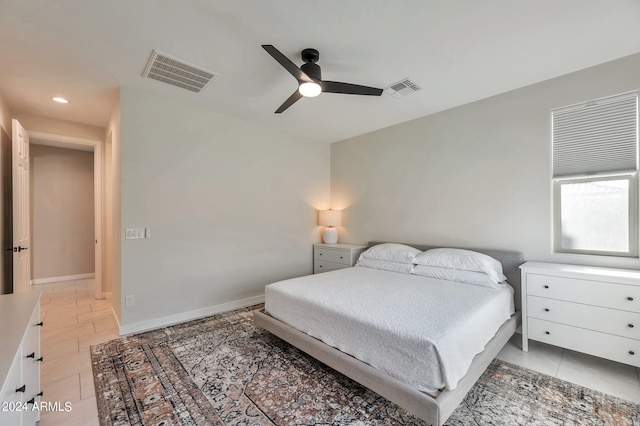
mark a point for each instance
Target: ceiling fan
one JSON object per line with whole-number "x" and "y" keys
{"x": 309, "y": 76}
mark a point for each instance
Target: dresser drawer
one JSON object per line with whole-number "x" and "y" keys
{"x": 604, "y": 345}
{"x": 329, "y": 255}
{"x": 322, "y": 266}
{"x": 617, "y": 296}
{"x": 612, "y": 321}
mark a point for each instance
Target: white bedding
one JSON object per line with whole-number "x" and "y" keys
{"x": 422, "y": 331}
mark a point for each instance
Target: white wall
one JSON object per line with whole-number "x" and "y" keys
{"x": 477, "y": 175}
{"x": 62, "y": 219}
{"x": 60, "y": 127}
{"x": 231, "y": 206}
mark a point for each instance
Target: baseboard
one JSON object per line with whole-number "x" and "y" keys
{"x": 63, "y": 278}
{"x": 188, "y": 316}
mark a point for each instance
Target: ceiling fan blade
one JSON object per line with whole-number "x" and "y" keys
{"x": 349, "y": 89}
{"x": 286, "y": 63}
{"x": 292, "y": 100}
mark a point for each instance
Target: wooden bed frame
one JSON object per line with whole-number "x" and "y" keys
{"x": 435, "y": 410}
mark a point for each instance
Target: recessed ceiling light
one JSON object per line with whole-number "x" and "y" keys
{"x": 61, "y": 100}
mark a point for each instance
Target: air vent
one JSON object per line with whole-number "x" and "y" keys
{"x": 403, "y": 88}
{"x": 176, "y": 72}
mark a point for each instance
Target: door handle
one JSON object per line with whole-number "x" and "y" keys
{"x": 17, "y": 249}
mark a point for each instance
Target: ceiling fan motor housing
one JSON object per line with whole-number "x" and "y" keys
{"x": 312, "y": 70}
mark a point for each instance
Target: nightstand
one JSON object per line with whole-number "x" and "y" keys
{"x": 329, "y": 257}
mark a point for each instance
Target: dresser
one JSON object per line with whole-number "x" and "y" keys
{"x": 20, "y": 358}
{"x": 582, "y": 308}
{"x": 329, "y": 257}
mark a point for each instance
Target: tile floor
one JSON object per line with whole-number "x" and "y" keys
{"x": 74, "y": 320}
{"x": 610, "y": 377}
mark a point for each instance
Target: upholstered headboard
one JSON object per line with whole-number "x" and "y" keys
{"x": 511, "y": 261}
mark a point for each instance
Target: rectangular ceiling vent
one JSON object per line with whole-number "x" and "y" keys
{"x": 176, "y": 72}
{"x": 403, "y": 88}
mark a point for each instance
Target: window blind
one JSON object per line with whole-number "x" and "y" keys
{"x": 596, "y": 136}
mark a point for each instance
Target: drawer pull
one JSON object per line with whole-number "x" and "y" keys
{"x": 341, "y": 257}
{"x": 40, "y": 359}
{"x": 31, "y": 401}
{"x": 31, "y": 355}
{"x": 22, "y": 388}
{"x": 546, "y": 332}
{"x": 630, "y": 299}
{"x": 40, "y": 393}
{"x": 40, "y": 324}
{"x": 319, "y": 254}
{"x": 632, "y": 353}
{"x": 630, "y": 325}
{"x": 546, "y": 286}
{"x": 546, "y": 309}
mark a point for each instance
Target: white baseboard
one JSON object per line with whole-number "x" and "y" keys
{"x": 187, "y": 316}
{"x": 63, "y": 278}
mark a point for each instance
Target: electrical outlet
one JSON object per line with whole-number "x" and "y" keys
{"x": 133, "y": 233}
{"x": 130, "y": 301}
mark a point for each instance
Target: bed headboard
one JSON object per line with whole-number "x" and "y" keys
{"x": 511, "y": 261}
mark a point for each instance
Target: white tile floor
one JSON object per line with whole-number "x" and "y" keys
{"x": 74, "y": 321}
{"x": 610, "y": 377}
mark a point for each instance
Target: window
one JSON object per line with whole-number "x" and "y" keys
{"x": 595, "y": 178}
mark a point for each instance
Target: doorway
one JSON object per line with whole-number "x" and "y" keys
{"x": 77, "y": 235}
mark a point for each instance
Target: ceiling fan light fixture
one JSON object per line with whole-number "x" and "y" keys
{"x": 310, "y": 89}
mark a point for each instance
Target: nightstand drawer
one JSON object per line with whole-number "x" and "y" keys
{"x": 322, "y": 266}
{"x": 330, "y": 255}
{"x": 598, "y": 293}
{"x": 612, "y": 321}
{"x": 603, "y": 345}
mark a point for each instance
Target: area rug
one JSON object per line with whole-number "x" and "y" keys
{"x": 224, "y": 370}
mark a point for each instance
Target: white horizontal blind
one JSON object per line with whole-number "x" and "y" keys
{"x": 597, "y": 136}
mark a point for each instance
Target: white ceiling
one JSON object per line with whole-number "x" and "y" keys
{"x": 458, "y": 51}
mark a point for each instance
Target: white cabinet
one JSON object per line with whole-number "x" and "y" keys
{"x": 20, "y": 358}
{"x": 586, "y": 309}
{"x": 329, "y": 257}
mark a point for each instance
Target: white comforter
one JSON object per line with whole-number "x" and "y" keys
{"x": 422, "y": 331}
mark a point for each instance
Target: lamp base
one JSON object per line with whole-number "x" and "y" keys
{"x": 330, "y": 235}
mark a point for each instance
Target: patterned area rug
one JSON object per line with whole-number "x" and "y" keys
{"x": 224, "y": 370}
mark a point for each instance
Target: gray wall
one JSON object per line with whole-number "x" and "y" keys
{"x": 62, "y": 230}
{"x": 476, "y": 175}
{"x": 231, "y": 206}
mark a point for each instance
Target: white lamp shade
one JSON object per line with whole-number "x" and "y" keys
{"x": 329, "y": 217}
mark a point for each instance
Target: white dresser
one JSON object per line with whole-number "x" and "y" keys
{"x": 329, "y": 257}
{"x": 20, "y": 358}
{"x": 586, "y": 309}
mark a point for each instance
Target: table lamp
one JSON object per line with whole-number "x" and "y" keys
{"x": 330, "y": 218}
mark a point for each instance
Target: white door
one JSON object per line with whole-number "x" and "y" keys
{"x": 21, "y": 201}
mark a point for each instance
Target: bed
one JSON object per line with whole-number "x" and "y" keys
{"x": 335, "y": 322}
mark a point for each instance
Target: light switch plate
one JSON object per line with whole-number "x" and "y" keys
{"x": 133, "y": 233}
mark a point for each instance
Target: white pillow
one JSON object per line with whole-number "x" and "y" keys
{"x": 458, "y": 275}
{"x": 465, "y": 260}
{"x": 391, "y": 252}
{"x": 386, "y": 265}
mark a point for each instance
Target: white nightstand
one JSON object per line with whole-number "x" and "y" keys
{"x": 329, "y": 257}
{"x": 583, "y": 308}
